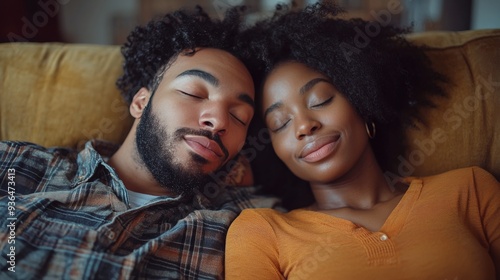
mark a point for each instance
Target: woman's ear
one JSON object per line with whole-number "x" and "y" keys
{"x": 139, "y": 102}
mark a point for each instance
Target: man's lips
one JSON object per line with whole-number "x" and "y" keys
{"x": 319, "y": 149}
{"x": 204, "y": 147}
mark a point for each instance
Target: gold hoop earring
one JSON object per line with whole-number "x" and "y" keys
{"x": 372, "y": 132}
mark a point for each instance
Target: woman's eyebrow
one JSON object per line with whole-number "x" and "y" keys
{"x": 272, "y": 108}
{"x": 305, "y": 88}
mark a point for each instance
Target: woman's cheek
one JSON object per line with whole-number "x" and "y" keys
{"x": 283, "y": 148}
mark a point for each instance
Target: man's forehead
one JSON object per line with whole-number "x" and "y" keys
{"x": 220, "y": 64}
{"x": 217, "y": 63}
{"x": 208, "y": 57}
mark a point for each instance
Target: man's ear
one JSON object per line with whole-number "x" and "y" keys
{"x": 139, "y": 102}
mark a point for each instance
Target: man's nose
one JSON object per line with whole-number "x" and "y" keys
{"x": 215, "y": 118}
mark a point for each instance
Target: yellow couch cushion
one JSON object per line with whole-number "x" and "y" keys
{"x": 465, "y": 128}
{"x": 61, "y": 95}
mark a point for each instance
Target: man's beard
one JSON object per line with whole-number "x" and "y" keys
{"x": 156, "y": 147}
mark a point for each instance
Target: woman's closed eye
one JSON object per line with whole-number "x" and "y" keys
{"x": 321, "y": 104}
{"x": 278, "y": 126}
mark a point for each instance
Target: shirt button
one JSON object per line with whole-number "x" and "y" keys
{"x": 384, "y": 237}
{"x": 111, "y": 235}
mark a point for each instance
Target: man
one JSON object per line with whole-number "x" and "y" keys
{"x": 150, "y": 208}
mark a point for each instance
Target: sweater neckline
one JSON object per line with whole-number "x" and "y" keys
{"x": 392, "y": 225}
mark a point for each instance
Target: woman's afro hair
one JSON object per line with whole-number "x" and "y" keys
{"x": 151, "y": 47}
{"x": 385, "y": 77}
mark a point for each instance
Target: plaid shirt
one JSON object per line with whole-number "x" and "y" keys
{"x": 69, "y": 219}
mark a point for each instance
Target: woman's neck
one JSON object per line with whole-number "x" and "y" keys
{"x": 362, "y": 187}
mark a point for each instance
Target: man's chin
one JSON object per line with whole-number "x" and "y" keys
{"x": 199, "y": 165}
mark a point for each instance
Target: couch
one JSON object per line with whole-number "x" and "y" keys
{"x": 57, "y": 94}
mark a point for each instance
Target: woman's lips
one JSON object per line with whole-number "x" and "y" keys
{"x": 204, "y": 147}
{"x": 319, "y": 148}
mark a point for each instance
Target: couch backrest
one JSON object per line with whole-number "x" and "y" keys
{"x": 465, "y": 128}
{"x": 62, "y": 95}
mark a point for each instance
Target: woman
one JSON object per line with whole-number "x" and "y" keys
{"x": 331, "y": 108}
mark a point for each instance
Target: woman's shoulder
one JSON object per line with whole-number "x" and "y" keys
{"x": 273, "y": 225}
{"x": 470, "y": 173}
{"x": 462, "y": 179}
{"x": 269, "y": 216}
{"x": 254, "y": 221}
{"x": 261, "y": 214}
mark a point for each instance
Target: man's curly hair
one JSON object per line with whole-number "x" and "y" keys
{"x": 150, "y": 49}
{"x": 386, "y": 78}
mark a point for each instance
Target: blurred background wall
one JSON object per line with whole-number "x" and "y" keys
{"x": 109, "y": 21}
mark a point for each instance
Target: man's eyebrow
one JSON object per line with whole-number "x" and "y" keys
{"x": 305, "y": 88}
{"x": 247, "y": 99}
{"x": 201, "y": 74}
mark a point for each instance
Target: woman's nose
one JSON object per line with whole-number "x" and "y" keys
{"x": 306, "y": 126}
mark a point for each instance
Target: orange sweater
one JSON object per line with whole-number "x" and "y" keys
{"x": 445, "y": 227}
